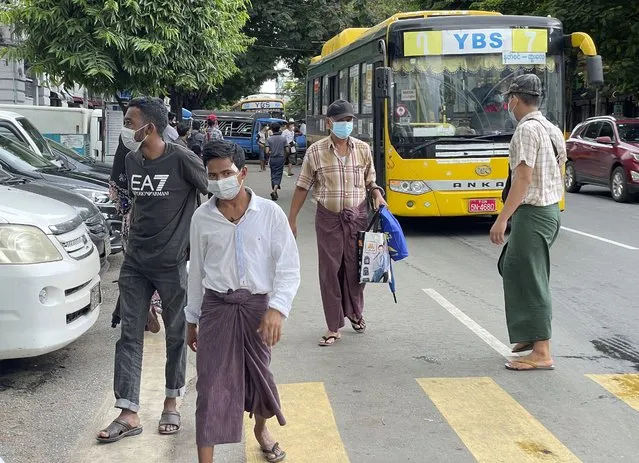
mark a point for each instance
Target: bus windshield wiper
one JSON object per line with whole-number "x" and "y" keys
{"x": 443, "y": 139}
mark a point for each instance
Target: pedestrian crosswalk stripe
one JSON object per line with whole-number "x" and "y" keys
{"x": 625, "y": 387}
{"x": 493, "y": 426}
{"x": 311, "y": 433}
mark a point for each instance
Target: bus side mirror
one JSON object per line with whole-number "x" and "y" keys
{"x": 594, "y": 68}
{"x": 383, "y": 78}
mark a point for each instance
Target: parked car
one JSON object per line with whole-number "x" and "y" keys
{"x": 20, "y": 161}
{"x": 49, "y": 275}
{"x": 99, "y": 231}
{"x": 77, "y": 163}
{"x": 605, "y": 151}
{"x": 20, "y": 129}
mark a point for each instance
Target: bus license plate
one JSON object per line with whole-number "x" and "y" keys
{"x": 482, "y": 205}
{"x": 96, "y": 297}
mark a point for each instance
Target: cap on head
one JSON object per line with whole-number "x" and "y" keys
{"x": 527, "y": 84}
{"x": 211, "y": 117}
{"x": 291, "y": 121}
{"x": 339, "y": 109}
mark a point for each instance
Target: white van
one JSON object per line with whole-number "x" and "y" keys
{"x": 49, "y": 275}
{"x": 76, "y": 128}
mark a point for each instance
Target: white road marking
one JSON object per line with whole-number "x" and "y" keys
{"x": 488, "y": 338}
{"x": 599, "y": 238}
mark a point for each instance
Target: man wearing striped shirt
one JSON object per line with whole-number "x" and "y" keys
{"x": 340, "y": 170}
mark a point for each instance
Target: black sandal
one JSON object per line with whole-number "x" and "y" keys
{"x": 359, "y": 326}
{"x": 277, "y": 454}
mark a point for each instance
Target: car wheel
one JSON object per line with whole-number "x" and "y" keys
{"x": 571, "y": 178}
{"x": 619, "y": 185}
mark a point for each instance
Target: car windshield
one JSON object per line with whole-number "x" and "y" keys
{"x": 629, "y": 132}
{"x": 68, "y": 152}
{"x": 461, "y": 96}
{"x": 21, "y": 157}
{"x": 37, "y": 138}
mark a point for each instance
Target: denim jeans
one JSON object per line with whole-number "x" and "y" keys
{"x": 136, "y": 288}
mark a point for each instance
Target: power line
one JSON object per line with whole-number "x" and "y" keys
{"x": 285, "y": 48}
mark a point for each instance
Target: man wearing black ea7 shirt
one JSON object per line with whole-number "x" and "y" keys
{"x": 164, "y": 180}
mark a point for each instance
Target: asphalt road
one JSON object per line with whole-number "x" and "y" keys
{"x": 425, "y": 383}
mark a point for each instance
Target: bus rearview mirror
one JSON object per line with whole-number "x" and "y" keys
{"x": 594, "y": 69}
{"x": 383, "y": 78}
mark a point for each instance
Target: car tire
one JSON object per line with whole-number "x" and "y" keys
{"x": 570, "y": 180}
{"x": 619, "y": 185}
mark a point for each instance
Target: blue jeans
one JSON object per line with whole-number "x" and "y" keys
{"x": 136, "y": 288}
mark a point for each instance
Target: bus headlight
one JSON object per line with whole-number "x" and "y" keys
{"x": 410, "y": 187}
{"x": 24, "y": 244}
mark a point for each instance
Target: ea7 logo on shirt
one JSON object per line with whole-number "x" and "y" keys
{"x": 147, "y": 185}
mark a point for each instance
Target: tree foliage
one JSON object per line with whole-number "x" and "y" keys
{"x": 144, "y": 46}
{"x": 296, "y": 106}
{"x": 613, "y": 25}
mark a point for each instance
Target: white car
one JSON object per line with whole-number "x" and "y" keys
{"x": 49, "y": 275}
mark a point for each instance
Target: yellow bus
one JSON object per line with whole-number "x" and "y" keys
{"x": 428, "y": 89}
{"x": 261, "y": 104}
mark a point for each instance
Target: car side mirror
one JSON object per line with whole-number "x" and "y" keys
{"x": 604, "y": 140}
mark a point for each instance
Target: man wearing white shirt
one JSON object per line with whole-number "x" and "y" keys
{"x": 289, "y": 134}
{"x": 243, "y": 276}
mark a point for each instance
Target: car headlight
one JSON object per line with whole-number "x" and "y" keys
{"x": 636, "y": 156}
{"x": 97, "y": 196}
{"x": 410, "y": 187}
{"x": 24, "y": 244}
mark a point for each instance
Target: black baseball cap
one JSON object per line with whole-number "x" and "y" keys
{"x": 527, "y": 84}
{"x": 339, "y": 109}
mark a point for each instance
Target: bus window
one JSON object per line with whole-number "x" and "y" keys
{"x": 353, "y": 94}
{"x": 343, "y": 84}
{"x": 332, "y": 88}
{"x": 325, "y": 95}
{"x": 309, "y": 98}
{"x": 316, "y": 96}
{"x": 367, "y": 89}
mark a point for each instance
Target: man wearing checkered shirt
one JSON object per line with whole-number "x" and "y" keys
{"x": 537, "y": 154}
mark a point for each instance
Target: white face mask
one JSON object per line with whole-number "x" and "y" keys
{"x": 128, "y": 138}
{"x": 511, "y": 112}
{"x": 227, "y": 188}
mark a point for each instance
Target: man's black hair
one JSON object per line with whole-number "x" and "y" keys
{"x": 171, "y": 115}
{"x": 529, "y": 100}
{"x": 221, "y": 149}
{"x": 183, "y": 128}
{"x": 153, "y": 111}
{"x": 275, "y": 127}
{"x": 197, "y": 125}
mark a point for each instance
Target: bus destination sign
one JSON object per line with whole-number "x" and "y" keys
{"x": 475, "y": 41}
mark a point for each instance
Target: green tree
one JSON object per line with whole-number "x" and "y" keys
{"x": 144, "y": 46}
{"x": 296, "y": 106}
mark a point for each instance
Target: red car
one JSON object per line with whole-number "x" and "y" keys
{"x": 604, "y": 151}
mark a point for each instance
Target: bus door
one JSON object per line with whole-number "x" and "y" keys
{"x": 381, "y": 86}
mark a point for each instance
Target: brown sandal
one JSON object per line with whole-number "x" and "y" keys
{"x": 170, "y": 418}
{"x": 119, "y": 429}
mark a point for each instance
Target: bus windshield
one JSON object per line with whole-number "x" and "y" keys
{"x": 461, "y": 96}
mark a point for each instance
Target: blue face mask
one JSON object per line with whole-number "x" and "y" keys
{"x": 342, "y": 129}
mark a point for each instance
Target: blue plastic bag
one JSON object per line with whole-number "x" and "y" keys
{"x": 397, "y": 247}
